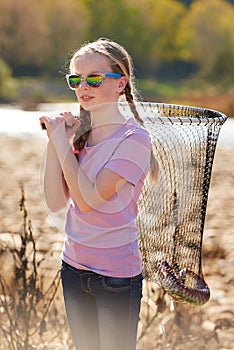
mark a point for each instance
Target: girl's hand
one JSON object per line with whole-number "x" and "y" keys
{"x": 62, "y": 125}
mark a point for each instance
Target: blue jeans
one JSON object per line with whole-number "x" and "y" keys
{"x": 102, "y": 312}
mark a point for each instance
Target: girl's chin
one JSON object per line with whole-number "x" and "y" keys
{"x": 89, "y": 106}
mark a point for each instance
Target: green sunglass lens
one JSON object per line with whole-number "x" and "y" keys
{"x": 94, "y": 80}
{"x": 74, "y": 81}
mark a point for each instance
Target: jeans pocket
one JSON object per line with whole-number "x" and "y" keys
{"x": 116, "y": 284}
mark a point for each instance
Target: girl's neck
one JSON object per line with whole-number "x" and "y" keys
{"x": 105, "y": 122}
{"x": 106, "y": 115}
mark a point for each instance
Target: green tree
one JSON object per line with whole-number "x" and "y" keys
{"x": 120, "y": 21}
{"x": 8, "y": 85}
{"x": 161, "y": 21}
{"x": 207, "y": 36}
{"x": 67, "y": 23}
{"x": 23, "y": 33}
{"x": 147, "y": 28}
{"x": 36, "y": 35}
{"x": 221, "y": 70}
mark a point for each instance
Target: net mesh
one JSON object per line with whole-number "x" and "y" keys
{"x": 172, "y": 213}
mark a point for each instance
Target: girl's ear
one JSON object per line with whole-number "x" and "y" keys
{"x": 122, "y": 84}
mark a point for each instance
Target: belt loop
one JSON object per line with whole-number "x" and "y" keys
{"x": 85, "y": 281}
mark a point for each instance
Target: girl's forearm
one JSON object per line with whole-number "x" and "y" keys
{"x": 82, "y": 190}
{"x": 55, "y": 188}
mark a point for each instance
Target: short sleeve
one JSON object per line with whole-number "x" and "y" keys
{"x": 131, "y": 159}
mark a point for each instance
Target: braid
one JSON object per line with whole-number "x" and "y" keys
{"x": 130, "y": 100}
{"x": 83, "y": 131}
{"x": 153, "y": 162}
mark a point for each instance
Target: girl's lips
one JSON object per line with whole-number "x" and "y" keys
{"x": 85, "y": 98}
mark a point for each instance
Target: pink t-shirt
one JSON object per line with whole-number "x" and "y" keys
{"x": 104, "y": 240}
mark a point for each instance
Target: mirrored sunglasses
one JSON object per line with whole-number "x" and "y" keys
{"x": 93, "y": 80}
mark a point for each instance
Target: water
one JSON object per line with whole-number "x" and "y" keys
{"x": 15, "y": 122}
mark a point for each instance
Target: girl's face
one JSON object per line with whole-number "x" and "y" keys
{"x": 91, "y": 97}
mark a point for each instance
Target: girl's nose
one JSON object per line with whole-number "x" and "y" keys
{"x": 83, "y": 83}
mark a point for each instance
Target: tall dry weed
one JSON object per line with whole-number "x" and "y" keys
{"x": 30, "y": 318}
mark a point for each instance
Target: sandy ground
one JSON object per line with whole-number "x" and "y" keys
{"x": 208, "y": 327}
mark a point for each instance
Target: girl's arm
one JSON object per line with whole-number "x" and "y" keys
{"x": 63, "y": 174}
{"x": 55, "y": 187}
{"x": 86, "y": 194}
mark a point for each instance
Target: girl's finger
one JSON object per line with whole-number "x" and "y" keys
{"x": 69, "y": 118}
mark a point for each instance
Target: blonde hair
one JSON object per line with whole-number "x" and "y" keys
{"x": 121, "y": 63}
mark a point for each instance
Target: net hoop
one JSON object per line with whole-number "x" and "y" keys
{"x": 173, "y": 113}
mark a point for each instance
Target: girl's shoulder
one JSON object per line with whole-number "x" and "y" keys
{"x": 134, "y": 131}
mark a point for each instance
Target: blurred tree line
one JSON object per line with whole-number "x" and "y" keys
{"x": 167, "y": 39}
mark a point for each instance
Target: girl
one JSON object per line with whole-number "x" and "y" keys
{"x": 101, "y": 174}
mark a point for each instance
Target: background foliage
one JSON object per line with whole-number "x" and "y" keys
{"x": 173, "y": 41}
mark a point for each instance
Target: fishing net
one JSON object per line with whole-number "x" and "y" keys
{"x": 172, "y": 213}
